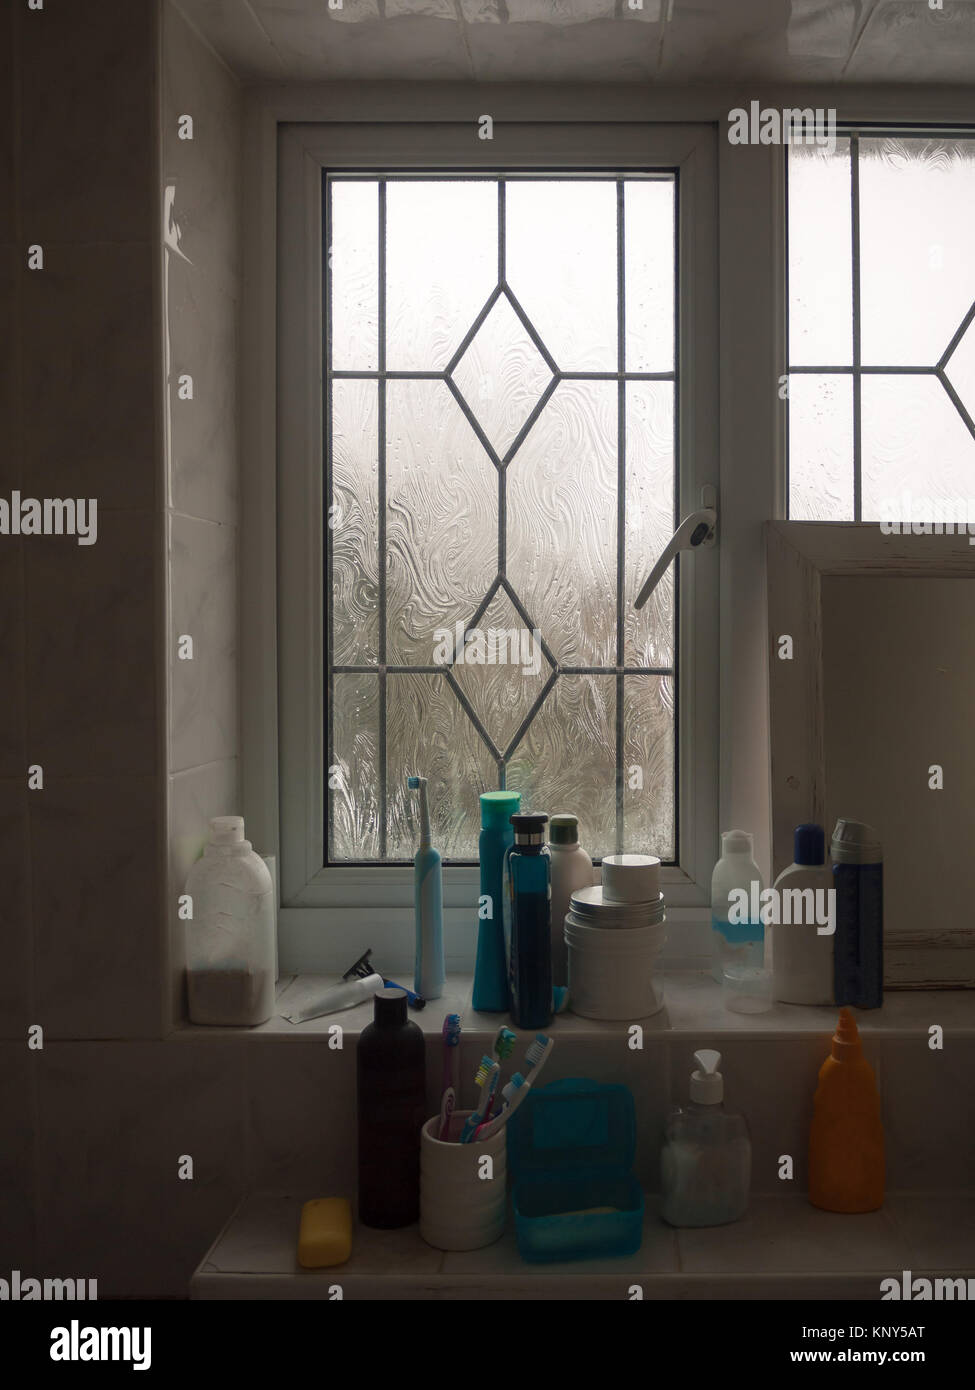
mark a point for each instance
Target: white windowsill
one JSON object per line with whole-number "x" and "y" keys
{"x": 692, "y": 1005}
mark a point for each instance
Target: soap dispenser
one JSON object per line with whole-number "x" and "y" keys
{"x": 706, "y": 1163}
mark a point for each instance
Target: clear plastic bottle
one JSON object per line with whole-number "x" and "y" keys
{"x": 230, "y": 937}
{"x": 735, "y": 943}
{"x": 706, "y": 1163}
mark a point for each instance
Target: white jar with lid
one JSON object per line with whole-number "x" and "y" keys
{"x": 230, "y": 936}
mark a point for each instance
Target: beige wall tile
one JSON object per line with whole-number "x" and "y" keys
{"x": 89, "y": 364}
{"x": 15, "y": 933}
{"x": 88, "y": 120}
{"x": 91, "y": 649}
{"x": 97, "y": 904}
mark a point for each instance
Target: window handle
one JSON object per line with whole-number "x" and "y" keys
{"x": 695, "y": 531}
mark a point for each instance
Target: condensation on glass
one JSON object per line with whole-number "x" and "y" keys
{"x": 881, "y": 389}
{"x": 500, "y": 459}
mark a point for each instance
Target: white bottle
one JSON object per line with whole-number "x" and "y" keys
{"x": 802, "y": 948}
{"x": 736, "y": 942}
{"x": 706, "y": 1162}
{"x": 230, "y": 936}
{"x": 571, "y": 870}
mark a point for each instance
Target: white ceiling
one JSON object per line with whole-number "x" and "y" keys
{"x": 593, "y": 40}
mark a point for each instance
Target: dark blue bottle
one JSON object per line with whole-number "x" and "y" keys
{"x": 528, "y": 922}
{"x": 858, "y": 949}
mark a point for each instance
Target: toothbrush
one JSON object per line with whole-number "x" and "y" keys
{"x": 487, "y": 1078}
{"x": 502, "y": 1047}
{"x": 515, "y": 1093}
{"x": 538, "y": 1054}
{"x": 451, "y": 1055}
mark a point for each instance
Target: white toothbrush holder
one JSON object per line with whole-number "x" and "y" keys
{"x": 463, "y": 1187}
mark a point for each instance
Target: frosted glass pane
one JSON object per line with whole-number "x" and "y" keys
{"x": 917, "y": 225}
{"x": 502, "y": 693}
{"x": 354, "y": 536}
{"x": 914, "y": 441}
{"x": 649, "y": 520}
{"x": 650, "y": 279}
{"x": 820, "y": 256}
{"x": 354, "y": 260}
{"x": 561, "y": 264}
{"x": 441, "y": 518}
{"x": 960, "y": 370}
{"x": 501, "y": 375}
{"x": 429, "y": 735}
{"x": 648, "y": 766}
{"x": 820, "y": 447}
{"x": 562, "y": 486}
{"x": 567, "y": 760}
{"x": 354, "y": 805}
{"x": 441, "y": 266}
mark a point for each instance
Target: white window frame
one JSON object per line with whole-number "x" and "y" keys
{"x": 738, "y": 196}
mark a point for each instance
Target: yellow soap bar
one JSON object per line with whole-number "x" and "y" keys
{"x": 325, "y": 1234}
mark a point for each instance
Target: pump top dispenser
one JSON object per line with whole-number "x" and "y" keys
{"x": 706, "y": 1162}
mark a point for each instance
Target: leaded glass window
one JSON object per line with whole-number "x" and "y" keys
{"x": 500, "y": 459}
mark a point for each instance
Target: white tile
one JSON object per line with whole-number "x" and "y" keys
{"x": 203, "y": 691}
{"x": 201, "y": 320}
{"x": 96, "y": 907}
{"x": 929, "y": 1113}
{"x": 938, "y": 1229}
{"x": 204, "y": 171}
{"x": 301, "y": 1118}
{"x": 114, "y": 1121}
{"x": 786, "y": 1235}
{"x": 18, "y": 1190}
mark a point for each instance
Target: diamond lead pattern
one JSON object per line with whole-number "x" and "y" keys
{"x": 502, "y": 375}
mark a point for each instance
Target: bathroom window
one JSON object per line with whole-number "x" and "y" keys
{"x": 501, "y": 399}
{"x": 495, "y": 376}
{"x": 881, "y": 384}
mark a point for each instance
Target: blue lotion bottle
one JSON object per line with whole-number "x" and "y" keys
{"x": 491, "y": 966}
{"x": 428, "y": 975}
{"x": 528, "y": 922}
{"x": 858, "y": 946}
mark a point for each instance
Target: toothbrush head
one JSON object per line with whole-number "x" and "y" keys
{"x": 451, "y": 1030}
{"x": 485, "y": 1067}
{"x": 513, "y": 1085}
{"x": 504, "y": 1044}
{"x": 414, "y": 782}
{"x": 538, "y": 1050}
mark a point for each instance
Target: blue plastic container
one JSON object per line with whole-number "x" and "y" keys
{"x": 571, "y": 1148}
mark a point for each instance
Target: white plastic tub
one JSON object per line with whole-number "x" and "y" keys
{"x": 611, "y": 970}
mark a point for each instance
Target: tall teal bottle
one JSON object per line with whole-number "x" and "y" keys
{"x": 428, "y": 973}
{"x": 491, "y": 967}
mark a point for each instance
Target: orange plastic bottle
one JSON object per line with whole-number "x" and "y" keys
{"x": 846, "y": 1141}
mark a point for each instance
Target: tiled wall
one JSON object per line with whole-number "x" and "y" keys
{"x": 92, "y": 1127}
{"x": 200, "y": 192}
